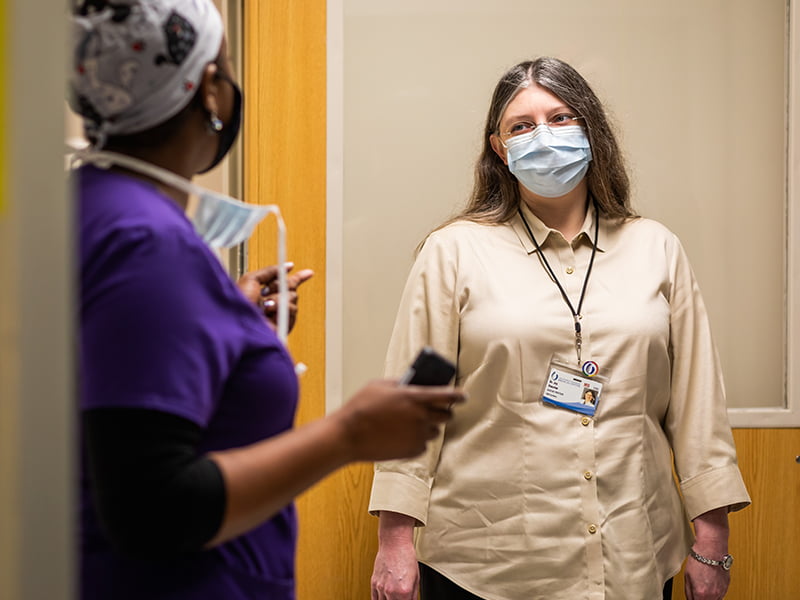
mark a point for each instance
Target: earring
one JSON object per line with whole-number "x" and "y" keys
{"x": 215, "y": 122}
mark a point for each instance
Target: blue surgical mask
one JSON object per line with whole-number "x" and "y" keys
{"x": 222, "y": 221}
{"x": 550, "y": 162}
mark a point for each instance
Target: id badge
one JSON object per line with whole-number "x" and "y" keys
{"x": 578, "y": 390}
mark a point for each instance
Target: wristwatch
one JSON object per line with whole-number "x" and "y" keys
{"x": 725, "y": 563}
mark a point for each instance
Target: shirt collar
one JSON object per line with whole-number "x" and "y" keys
{"x": 542, "y": 232}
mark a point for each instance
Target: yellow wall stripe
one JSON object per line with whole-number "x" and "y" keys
{"x": 3, "y": 107}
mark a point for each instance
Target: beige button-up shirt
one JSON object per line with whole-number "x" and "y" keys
{"x": 519, "y": 499}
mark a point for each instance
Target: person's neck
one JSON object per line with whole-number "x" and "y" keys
{"x": 565, "y": 214}
{"x": 166, "y": 157}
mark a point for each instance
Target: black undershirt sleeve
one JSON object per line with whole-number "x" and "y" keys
{"x": 155, "y": 496}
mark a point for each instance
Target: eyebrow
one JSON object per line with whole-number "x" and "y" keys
{"x": 524, "y": 116}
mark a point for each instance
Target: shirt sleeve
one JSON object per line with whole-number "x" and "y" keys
{"x": 153, "y": 326}
{"x": 697, "y": 419}
{"x": 156, "y": 497}
{"x": 428, "y": 316}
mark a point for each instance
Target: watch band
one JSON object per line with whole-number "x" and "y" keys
{"x": 725, "y": 563}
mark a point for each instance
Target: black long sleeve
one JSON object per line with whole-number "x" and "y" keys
{"x": 156, "y": 497}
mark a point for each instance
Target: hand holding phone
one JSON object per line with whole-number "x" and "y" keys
{"x": 429, "y": 368}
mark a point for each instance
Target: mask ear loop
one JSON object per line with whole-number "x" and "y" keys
{"x": 283, "y": 284}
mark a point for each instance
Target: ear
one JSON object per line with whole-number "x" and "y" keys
{"x": 209, "y": 88}
{"x": 498, "y": 148}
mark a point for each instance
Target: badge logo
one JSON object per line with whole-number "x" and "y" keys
{"x": 590, "y": 368}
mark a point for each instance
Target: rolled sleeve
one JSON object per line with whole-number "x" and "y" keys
{"x": 400, "y": 493}
{"x": 714, "y": 489}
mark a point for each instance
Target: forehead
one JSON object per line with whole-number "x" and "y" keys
{"x": 533, "y": 100}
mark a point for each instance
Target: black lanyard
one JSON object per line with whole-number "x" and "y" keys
{"x": 576, "y": 314}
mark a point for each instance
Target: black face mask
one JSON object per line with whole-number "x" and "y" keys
{"x": 229, "y": 132}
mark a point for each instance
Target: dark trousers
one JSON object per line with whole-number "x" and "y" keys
{"x": 435, "y": 586}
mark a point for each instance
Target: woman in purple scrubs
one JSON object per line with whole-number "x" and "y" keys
{"x": 187, "y": 397}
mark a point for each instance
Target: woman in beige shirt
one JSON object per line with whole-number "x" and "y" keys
{"x": 546, "y": 285}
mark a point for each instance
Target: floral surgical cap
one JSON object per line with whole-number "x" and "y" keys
{"x": 137, "y": 63}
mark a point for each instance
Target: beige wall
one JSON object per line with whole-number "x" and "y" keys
{"x": 696, "y": 87}
{"x": 36, "y": 313}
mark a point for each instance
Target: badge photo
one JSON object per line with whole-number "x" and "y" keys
{"x": 572, "y": 389}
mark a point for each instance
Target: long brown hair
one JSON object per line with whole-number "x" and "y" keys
{"x": 495, "y": 193}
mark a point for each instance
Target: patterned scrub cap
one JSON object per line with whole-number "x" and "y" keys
{"x": 137, "y": 63}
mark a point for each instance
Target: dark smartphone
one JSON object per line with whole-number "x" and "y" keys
{"x": 429, "y": 368}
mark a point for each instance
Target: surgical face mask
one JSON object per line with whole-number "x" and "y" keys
{"x": 222, "y": 221}
{"x": 550, "y": 162}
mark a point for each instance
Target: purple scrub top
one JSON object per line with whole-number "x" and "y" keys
{"x": 163, "y": 327}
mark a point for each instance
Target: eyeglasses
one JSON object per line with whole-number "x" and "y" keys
{"x": 523, "y": 127}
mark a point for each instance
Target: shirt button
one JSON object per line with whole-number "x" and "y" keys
{"x": 585, "y": 421}
{"x": 592, "y": 528}
{"x": 570, "y": 270}
{"x": 587, "y": 475}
